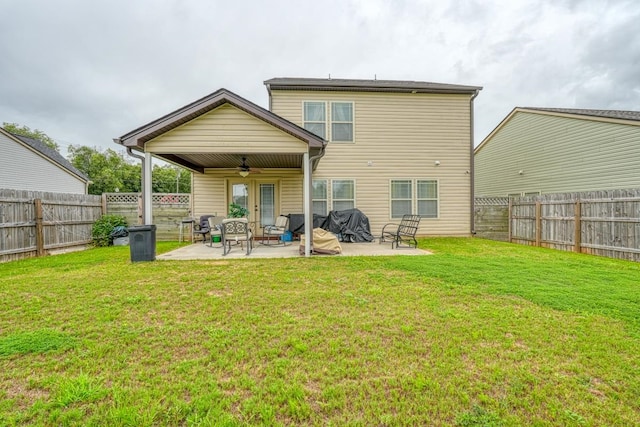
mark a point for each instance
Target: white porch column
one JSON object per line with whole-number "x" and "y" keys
{"x": 146, "y": 191}
{"x": 308, "y": 212}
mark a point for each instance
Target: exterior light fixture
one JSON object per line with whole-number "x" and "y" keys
{"x": 244, "y": 174}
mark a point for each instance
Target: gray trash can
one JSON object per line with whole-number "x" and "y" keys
{"x": 142, "y": 242}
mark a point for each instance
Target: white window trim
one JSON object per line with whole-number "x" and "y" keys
{"x": 437, "y": 199}
{"x": 326, "y": 195}
{"x": 328, "y": 119}
{"x": 414, "y": 197}
{"x": 355, "y": 186}
{"x": 391, "y": 199}
{"x": 353, "y": 121}
{"x": 327, "y": 127}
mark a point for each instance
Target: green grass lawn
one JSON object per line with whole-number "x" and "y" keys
{"x": 480, "y": 333}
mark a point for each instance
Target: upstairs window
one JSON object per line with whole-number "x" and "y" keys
{"x": 342, "y": 121}
{"x": 332, "y": 121}
{"x": 315, "y": 118}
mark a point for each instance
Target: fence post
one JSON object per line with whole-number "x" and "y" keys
{"x": 39, "y": 232}
{"x": 509, "y": 220}
{"x": 578, "y": 227}
{"x": 538, "y": 222}
{"x": 104, "y": 203}
{"x": 140, "y": 209}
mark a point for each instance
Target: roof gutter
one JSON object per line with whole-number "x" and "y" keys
{"x": 472, "y": 165}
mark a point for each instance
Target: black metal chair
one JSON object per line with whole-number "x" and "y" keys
{"x": 202, "y": 227}
{"x": 405, "y": 232}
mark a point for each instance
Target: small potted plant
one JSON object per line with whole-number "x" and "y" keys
{"x": 237, "y": 211}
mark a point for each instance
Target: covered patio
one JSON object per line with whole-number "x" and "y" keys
{"x": 202, "y": 251}
{"x": 239, "y": 153}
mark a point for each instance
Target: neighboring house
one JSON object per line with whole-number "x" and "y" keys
{"x": 28, "y": 164}
{"x": 387, "y": 148}
{"x": 557, "y": 150}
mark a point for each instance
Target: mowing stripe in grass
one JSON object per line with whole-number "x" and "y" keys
{"x": 39, "y": 341}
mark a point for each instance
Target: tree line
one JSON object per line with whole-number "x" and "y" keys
{"x": 110, "y": 171}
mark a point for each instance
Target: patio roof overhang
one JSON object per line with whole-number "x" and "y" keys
{"x": 225, "y": 157}
{"x": 301, "y": 148}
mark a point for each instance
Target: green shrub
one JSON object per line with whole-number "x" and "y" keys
{"x": 101, "y": 231}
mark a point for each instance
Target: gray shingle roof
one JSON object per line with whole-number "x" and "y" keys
{"x": 52, "y": 154}
{"x": 611, "y": 114}
{"x": 296, "y": 83}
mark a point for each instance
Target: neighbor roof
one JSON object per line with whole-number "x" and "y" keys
{"x": 611, "y": 114}
{"x": 51, "y": 154}
{"x": 353, "y": 85}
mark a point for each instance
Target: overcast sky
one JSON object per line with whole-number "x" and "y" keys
{"x": 86, "y": 71}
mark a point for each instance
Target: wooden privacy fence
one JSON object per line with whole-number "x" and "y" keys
{"x": 34, "y": 223}
{"x": 168, "y": 210}
{"x": 605, "y": 223}
{"x": 491, "y": 218}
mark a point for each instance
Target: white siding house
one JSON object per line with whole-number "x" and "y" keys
{"x": 28, "y": 164}
{"x": 553, "y": 150}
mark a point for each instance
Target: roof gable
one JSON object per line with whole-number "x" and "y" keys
{"x": 138, "y": 137}
{"x": 611, "y": 116}
{"x": 49, "y": 153}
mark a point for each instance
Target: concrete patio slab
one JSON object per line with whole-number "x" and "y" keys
{"x": 204, "y": 251}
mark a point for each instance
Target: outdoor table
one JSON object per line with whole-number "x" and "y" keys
{"x": 189, "y": 222}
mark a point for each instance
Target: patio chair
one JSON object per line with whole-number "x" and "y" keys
{"x": 277, "y": 230}
{"x": 405, "y": 232}
{"x": 202, "y": 227}
{"x": 235, "y": 230}
{"x": 215, "y": 229}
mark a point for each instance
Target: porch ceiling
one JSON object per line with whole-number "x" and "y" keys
{"x": 200, "y": 161}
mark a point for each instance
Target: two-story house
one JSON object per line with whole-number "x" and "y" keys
{"x": 385, "y": 147}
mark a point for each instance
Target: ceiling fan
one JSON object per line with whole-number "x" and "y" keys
{"x": 244, "y": 169}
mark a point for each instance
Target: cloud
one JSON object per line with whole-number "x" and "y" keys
{"x": 85, "y": 72}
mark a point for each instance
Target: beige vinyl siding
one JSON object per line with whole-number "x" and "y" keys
{"x": 402, "y": 135}
{"x": 208, "y": 195}
{"x": 291, "y": 196}
{"x": 209, "y": 191}
{"x": 557, "y": 154}
{"x": 226, "y": 130}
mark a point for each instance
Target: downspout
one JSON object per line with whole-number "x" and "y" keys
{"x": 142, "y": 180}
{"x": 141, "y": 158}
{"x": 471, "y": 164}
{"x": 309, "y": 208}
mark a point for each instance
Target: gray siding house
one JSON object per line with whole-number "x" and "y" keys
{"x": 556, "y": 150}
{"x": 28, "y": 164}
